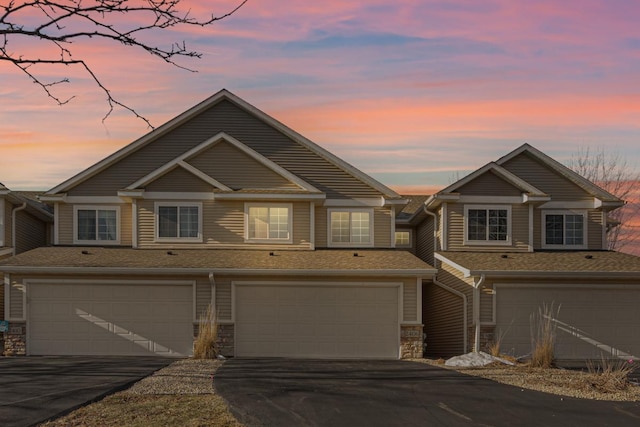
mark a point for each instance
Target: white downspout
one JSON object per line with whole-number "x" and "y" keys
{"x": 13, "y": 225}
{"x": 464, "y": 313}
{"x": 476, "y": 312}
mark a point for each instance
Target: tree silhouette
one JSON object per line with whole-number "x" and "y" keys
{"x": 51, "y": 27}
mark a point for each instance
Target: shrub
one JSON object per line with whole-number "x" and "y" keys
{"x": 543, "y": 336}
{"x": 204, "y": 346}
{"x": 609, "y": 375}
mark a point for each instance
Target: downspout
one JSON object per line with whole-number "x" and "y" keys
{"x": 13, "y": 225}
{"x": 212, "y": 281}
{"x": 476, "y": 312}
{"x": 464, "y": 312}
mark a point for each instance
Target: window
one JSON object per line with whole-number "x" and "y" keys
{"x": 96, "y": 224}
{"x": 487, "y": 225}
{"x": 351, "y": 227}
{"x": 182, "y": 222}
{"x": 403, "y": 238}
{"x": 564, "y": 229}
{"x": 268, "y": 223}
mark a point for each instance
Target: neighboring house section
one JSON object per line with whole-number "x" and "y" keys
{"x": 25, "y": 224}
{"x": 519, "y": 233}
{"x": 221, "y": 206}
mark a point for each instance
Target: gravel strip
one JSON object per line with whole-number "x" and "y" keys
{"x": 563, "y": 382}
{"x": 188, "y": 376}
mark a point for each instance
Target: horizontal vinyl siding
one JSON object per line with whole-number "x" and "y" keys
{"x": 424, "y": 242}
{"x": 519, "y": 230}
{"x": 31, "y": 232}
{"x": 443, "y": 317}
{"x": 321, "y": 226}
{"x": 451, "y": 277}
{"x": 594, "y": 230}
{"x": 410, "y": 301}
{"x": 8, "y": 207}
{"x": 222, "y": 226}
{"x": 203, "y": 297}
{"x": 488, "y": 184}
{"x": 237, "y": 170}
{"x": 2, "y": 297}
{"x": 486, "y": 306}
{"x": 179, "y": 181}
{"x": 545, "y": 179}
{"x": 382, "y": 227}
{"x": 226, "y": 117}
{"x": 16, "y": 295}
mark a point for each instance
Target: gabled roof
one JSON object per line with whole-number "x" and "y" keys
{"x": 561, "y": 169}
{"x": 180, "y": 161}
{"x": 33, "y": 205}
{"x": 203, "y": 106}
{"x": 413, "y": 209}
{"x": 605, "y": 264}
{"x": 449, "y": 193}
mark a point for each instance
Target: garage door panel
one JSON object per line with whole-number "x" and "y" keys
{"x": 110, "y": 319}
{"x": 591, "y": 323}
{"x": 316, "y": 321}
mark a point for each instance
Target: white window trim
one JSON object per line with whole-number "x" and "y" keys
{"x": 350, "y": 244}
{"x": 248, "y": 239}
{"x": 563, "y": 212}
{"x": 156, "y": 221}
{"x": 401, "y": 230}
{"x": 77, "y": 208}
{"x": 465, "y": 230}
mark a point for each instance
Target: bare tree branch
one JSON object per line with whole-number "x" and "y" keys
{"x": 54, "y": 25}
{"x": 612, "y": 172}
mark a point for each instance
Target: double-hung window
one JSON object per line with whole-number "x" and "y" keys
{"x": 487, "y": 225}
{"x": 179, "y": 221}
{"x": 403, "y": 238}
{"x": 268, "y": 223}
{"x": 96, "y": 225}
{"x": 564, "y": 229}
{"x": 350, "y": 227}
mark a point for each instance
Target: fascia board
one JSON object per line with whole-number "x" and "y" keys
{"x": 556, "y": 274}
{"x": 268, "y": 196}
{"x": 465, "y": 271}
{"x": 424, "y": 273}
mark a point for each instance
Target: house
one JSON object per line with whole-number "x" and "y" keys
{"x": 25, "y": 224}
{"x": 515, "y": 235}
{"x": 222, "y": 206}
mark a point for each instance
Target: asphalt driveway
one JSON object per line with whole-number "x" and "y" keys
{"x": 281, "y": 392}
{"x": 35, "y": 389}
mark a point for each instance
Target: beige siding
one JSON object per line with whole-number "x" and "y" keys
{"x": 519, "y": 230}
{"x": 222, "y": 226}
{"x": 321, "y": 226}
{"x": 545, "y": 179}
{"x": 179, "y": 181}
{"x": 203, "y": 297}
{"x": 594, "y": 230}
{"x": 382, "y": 227}
{"x": 31, "y": 232}
{"x": 452, "y": 278}
{"x": 226, "y": 117}
{"x": 443, "y": 317}
{"x": 486, "y": 305}
{"x": 410, "y": 301}
{"x": 2, "y": 297}
{"x": 8, "y": 224}
{"x": 237, "y": 170}
{"x": 424, "y": 241}
{"x": 65, "y": 223}
{"x": 537, "y": 229}
{"x": 16, "y": 298}
{"x": 488, "y": 184}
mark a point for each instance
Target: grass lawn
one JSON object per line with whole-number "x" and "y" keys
{"x": 126, "y": 409}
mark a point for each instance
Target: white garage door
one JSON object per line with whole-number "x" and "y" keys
{"x": 110, "y": 319}
{"x": 317, "y": 321}
{"x": 592, "y": 321}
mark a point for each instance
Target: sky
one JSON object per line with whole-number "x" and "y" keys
{"x": 412, "y": 92}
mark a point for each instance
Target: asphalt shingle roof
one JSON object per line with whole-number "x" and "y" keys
{"x": 380, "y": 261}
{"x": 544, "y": 263}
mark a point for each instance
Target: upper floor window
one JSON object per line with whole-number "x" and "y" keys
{"x": 403, "y": 238}
{"x": 179, "y": 221}
{"x": 93, "y": 224}
{"x": 487, "y": 225}
{"x": 268, "y": 223}
{"x": 564, "y": 229}
{"x": 350, "y": 227}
